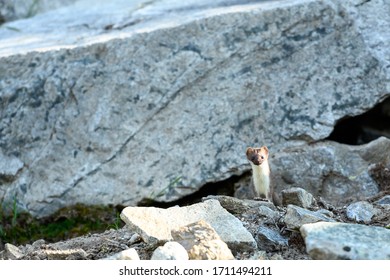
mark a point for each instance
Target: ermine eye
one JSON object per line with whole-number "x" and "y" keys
{"x": 262, "y": 157}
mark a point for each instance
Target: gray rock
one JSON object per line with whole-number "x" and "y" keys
{"x": 346, "y": 241}
{"x": 115, "y": 103}
{"x": 170, "y": 251}
{"x": 269, "y": 239}
{"x": 238, "y": 206}
{"x": 9, "y": 167}
{"x": 267, "y": 212}
{"x": 297, "y": 196}
{"x": 384, "y": 200}
{"x": 296, "y": 216}
{"x": 17, "y": 9}
{"x": 11, "y": 252}
{"x": 202, "y": 242}
{"x": 360, "y": 211}
{"x": 155, "y": 224}
{"x": 259, "y": 255}
{"x": 335, "y": 171}
{"x": 66, "y": 254}
{"x": 128, "y": 254}
{"x": 135, "y": 238}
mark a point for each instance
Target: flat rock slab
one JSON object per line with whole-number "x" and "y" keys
{"x": 346, "y": 241}
{"x": 296, "y": 216}
{"x": 155, "y": 224}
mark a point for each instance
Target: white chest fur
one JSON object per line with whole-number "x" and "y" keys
{"x": 261, "y": 179}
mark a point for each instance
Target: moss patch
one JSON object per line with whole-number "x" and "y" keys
{"x": 21, "y": 228}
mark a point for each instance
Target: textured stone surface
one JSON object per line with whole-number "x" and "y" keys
{"x": 360, "y": 211}
{"x": 17, "y": 9}
{"x": 170, "y": 251}
{"x": 335, "y": 171}
{"x": 12, "y": 252}
{"x": 112, "y": 102}
{"x": 9, "y": 167}
{"x": 67, "y": 254}
{"x": 238, "y": 206}
{"x": 297, "y": 196}
{"x": 296, "y": 216}
{"x": 269, "y": 239}
{"x": 346, "y": 241}
{"x": 384, "y": 200}
{"x": 155, "y": 224}
{"x": 202, "y": 242}
{"x": 128, "y": 254}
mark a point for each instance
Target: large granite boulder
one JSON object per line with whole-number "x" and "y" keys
{"x": 113, "y": 102}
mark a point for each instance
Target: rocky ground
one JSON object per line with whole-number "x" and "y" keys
{"x": 307, "y": 228}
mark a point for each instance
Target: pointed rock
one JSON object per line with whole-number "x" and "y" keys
{"x": 297, "y": 196}
{"x": 297, "y": 216}
{"x": 202, "y": 242}
{"x": 12, "y": 252}
{"x": 269, "y": 239}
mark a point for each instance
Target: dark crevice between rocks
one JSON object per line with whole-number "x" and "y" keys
{"x": 224, "y": 187}
{"x": 364, "y": 128}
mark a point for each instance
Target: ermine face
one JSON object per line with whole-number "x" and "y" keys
{"x": 257, "y": 155}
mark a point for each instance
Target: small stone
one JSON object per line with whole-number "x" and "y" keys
{"x": 297, "y": 196}
{"x": 68, "y": 254}
{"x": 296, "y": 217}
{"x": 135, "y": 238}
{"x": 12, "y": 252}
{"x": 330, "y": 241}
{"x": 276, "y": 257}
{"x": 384, "y": 200}
{"x": 361, "y": 211}
{"x": 259, "y": 255}
{"x": 202, "y": 242}
{"x": 238, "y": 206}
{"x": 268, "y": 212}
{"x": 38, "y": 243}
{"x": 170, "y": 251}
{"x": 128, "y": 254}
{"x": 269, "y": 239}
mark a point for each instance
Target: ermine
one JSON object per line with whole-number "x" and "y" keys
{"x": 258, "y": 158}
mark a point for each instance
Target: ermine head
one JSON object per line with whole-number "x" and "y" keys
{"x": 257, "y": 155}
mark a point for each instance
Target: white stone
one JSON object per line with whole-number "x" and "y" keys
{"x": 170, "y": 251}
{"x": 128, "y": 254}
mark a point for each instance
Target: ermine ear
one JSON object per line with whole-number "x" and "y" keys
{"x": 265, "y": 149}
{"x": 249, "y": 151}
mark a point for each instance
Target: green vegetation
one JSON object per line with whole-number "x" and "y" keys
{"x": 20, "y": 228}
